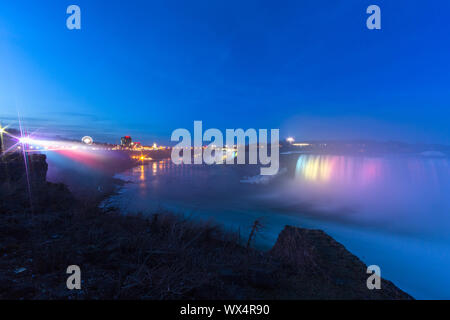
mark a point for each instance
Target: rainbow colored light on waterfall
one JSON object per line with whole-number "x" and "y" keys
{"x": 357, "y": 171}
{"x": 323, "y": 168}
{"x": 315, "y": 168}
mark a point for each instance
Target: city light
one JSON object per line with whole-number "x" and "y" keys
{"x": 87, "y": 140}
{"x": 301, "y": 144}
{"x": 30, "y": 143}
{"x": 290, "y": 140}
{"x": 25, "y": 140}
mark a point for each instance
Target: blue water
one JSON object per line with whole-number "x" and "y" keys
{"x": 389, "y": 211}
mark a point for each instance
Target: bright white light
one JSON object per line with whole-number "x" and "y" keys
{"x": 290, "y": 139}
{"x": 26, "y": 140}
{"x": 87, "y": 140}
{"x": 2, "y": 131}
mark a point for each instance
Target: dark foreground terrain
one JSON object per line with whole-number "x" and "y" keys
{"x": 158, "y": 257}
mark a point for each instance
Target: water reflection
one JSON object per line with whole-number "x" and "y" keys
{"x": 142, "y": 176}
{"x": 145, "y": 171}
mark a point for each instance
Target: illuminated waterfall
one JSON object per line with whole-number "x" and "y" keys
{"x": 339, "y": 169}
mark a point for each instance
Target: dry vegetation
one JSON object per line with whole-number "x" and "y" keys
{"x": 125, "y": 257}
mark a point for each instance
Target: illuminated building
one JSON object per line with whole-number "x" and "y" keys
{"x": 126, "y": 142}
{"x": 301, "y": 144}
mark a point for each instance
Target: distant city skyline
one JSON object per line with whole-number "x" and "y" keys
{"x": 144, "y": 69}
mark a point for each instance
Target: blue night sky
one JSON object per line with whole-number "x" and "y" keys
{"x": 310, "y": 68}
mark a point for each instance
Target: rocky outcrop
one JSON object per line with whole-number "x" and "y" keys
{"x": 23, "y": 184}
{"x": 13, "y": 170}
{"x": 328, "y": 266}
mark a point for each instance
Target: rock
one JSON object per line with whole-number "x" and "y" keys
{"x": 12, "y": 169}
{"x": 260, "y": 278}
{"x": 17, "y": 182}
{"x": 329, "y": 265}
{"x": 20, "y": 270}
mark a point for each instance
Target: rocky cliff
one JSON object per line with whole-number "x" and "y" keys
{"x": 23, "y": 184}
{"x": 326, "y": 267}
